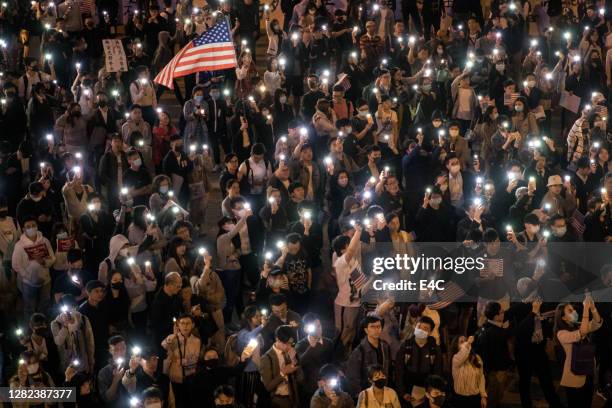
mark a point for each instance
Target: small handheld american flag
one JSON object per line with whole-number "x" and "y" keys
{"x": 213, "y": 50}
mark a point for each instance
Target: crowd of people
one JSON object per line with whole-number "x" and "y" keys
{"x": 365, "y": 127}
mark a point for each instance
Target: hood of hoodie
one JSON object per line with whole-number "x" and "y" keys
{"x": 348, "y": 203}
{"x": 164, "y": 38}
{"x": 116, "y": 243}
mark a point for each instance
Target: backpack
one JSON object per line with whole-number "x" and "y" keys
{"x": 245, "y": 182}
{"x": 231, "y": 352}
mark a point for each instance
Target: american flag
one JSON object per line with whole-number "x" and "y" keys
{"x": 213, "y": 50}
{"x": 357, "y": 279}
{"x": 493, "y": 268}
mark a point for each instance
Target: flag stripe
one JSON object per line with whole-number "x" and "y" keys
{"x": 205, "y": 64}
{"x": 209, "y": 56}
{"x": 209, "y": 47}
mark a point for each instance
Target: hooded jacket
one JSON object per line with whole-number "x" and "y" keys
{"x": 116, "y": 243}
{"x": 77, "y": 342}
{"x": 30, "y": 271}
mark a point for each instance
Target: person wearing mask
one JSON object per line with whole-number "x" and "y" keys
{"x": 378, "y": 394}
{"x": 465, "y": 102}
{"x": 137, "y": 179}
{"x": 311, "y": 98}
{"x": 196, "y": 113}
{"x": 216, "y": 122}
{"x": 281, "y": 372}
{"x": 372, "y": 350}
{"x": 296, "y": 55}
{"x": 41, "y": 343}
{"x": 161, "y": 139}
{"x": 569, "y": 330}
{"x": 436, "y": 388}
{"x": 253, "y": 175}
{"x": 96, "y": 311}
{"x": 31, "y": 77}
{"x": 74, "y": 337}
{"x": 492, "y": 346}
{"x": 36, "y": 204}
{"x": 183, "y": 349}
{"x": 418, "y": 357}
{"x": 100, "y": 126}
{"x": 308, "y": 173}
{"x": 32, "y": 257}
{"x": 40, "y": 112}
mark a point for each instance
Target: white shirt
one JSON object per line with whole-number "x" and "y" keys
{"x": 343, "y": 273}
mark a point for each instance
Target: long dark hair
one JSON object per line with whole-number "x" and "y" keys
{"x": 559, "y": 323}
{"x": 473, "y": 358}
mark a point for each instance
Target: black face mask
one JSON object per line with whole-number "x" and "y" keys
{"x": 178, "y": 148}
{"x": 439, "y": 400}
{"x": 212, "y": 363}
{"x": 41, "y": 331}
{"x": 76, "y": 114}
{"x": 102, "y": 103}
{"x": 380, "y": 383}
{"x": 117, "y": 285}
{"x": 3, "y": 213}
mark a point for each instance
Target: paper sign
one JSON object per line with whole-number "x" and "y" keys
{"x": 569, "y": 101}
{"x": 114, "y": 56}
{"x": 37, "y": 251}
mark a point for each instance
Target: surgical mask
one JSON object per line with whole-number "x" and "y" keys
{"x": 573, "y": 316}
{"x": 420, "y": 333}
{"x": 500, "y": 67}
{"x": 123, "y": 252}
{"x": 62, "y": 235}
{"x": 363, "y": 114}
{"x": 436, "y": 201}
{"x": 214, "y": 95}
{"x": 518, "y": 108}
{"x": 137, "y": 162}
{"x": 559, "y": 232}
{"x": 282, "y": 99}
{"x": 348, "y": 130}
{"x": 163, "y": 189}
{"x": 33, "y": 368}
{"x": 31, "y": 232}
{"x": 117, "y": 285}
{"x": 440, "y": 51}
{"x": 198, "y": 98}
{"x": 380, "y": 383}
{"x": 531, "y": 84}
{"x": 41, "y": 331}
{"x": 426, "y": 88}
{"x": 36, "y": 199}
{"x": 494, "y": 116}
{"x": 102, "y": 103}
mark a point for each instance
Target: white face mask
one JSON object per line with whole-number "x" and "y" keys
{"x": 137, "y": 162}
{"x": 33, "y": 368}
{"x": 420, "y": 333}
{"x": 36, "y": 199}
{"x": 363, "y": 114}
{"x": 123, "y": 252}
{"x": 348, "y": 130}
{"x": 31, "y": 232}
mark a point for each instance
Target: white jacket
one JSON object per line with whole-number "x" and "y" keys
{"x": 30, "y": 271}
